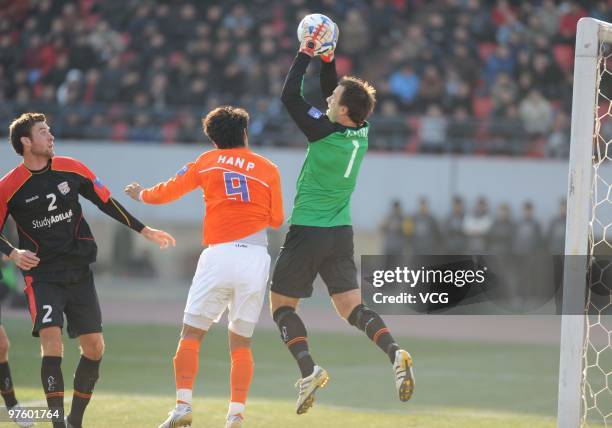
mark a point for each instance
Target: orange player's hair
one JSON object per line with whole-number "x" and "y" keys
{"x": 225, "y": 126}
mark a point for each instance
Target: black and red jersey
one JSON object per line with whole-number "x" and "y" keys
{"x": 45, "y": 206}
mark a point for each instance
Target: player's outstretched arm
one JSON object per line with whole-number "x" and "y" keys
{"x": 312, "y": 122}
{"x": 134, "y": 190}
{"x": 185, "y": 180}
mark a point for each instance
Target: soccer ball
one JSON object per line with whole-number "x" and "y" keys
{"x": 327, "y": 32}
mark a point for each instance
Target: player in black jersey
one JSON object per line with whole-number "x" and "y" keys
{"x": 55, "y": 250}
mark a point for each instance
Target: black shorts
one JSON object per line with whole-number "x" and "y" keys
{"x": 72, "y": 292}
{"x": 310, "y": 250}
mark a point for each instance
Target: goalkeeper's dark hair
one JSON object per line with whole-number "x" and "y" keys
{"x": 359, "y": 97}
{"x": 225, "y": 126}
{"x": 22, "y": 127}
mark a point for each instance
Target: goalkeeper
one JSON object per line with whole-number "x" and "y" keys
{"x": 320, "y": 237}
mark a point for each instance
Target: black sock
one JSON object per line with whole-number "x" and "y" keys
{"x": 295, "y": 337}
{"x": 6, "y": 385}
{"x": 53, "y": 385}
{"x": 365, "y": 319}
{"x": 85, "y": 379}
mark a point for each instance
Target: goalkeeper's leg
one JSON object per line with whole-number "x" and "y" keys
{"x": 349, "y": 306}
{"x": 294, "y": 335}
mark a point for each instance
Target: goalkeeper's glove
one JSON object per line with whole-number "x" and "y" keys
{"x": 308, "y": 46}
{"x": 329, "y": 55}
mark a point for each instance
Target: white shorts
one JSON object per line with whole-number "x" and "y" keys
{"x": 231, "y": 275}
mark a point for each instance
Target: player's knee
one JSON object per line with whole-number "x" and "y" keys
{"x": 281, "y": 313}
{"x": 51, "y": 342}
{"x": 52, "y": 349}
{"x": 346, "y": 302}
{"x": 359, "y": 316}
{"x": 4, "y": 348}
{"x": 93, "y": 350}
{"x": 240, "y": 333}
{"x": 196, "y": 333}
{"x": 289, "y": 323}
{"x": 278, "y": 301}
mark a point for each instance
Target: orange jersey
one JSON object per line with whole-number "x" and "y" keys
{"x": 242, "y": 193}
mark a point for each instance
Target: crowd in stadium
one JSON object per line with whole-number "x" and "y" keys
{"x": 472, "y": 230}
{"x": 463, "y": 76}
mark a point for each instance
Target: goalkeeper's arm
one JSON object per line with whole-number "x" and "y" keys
{"x": 328, "y": 76}
{"x": 312, "y": 122}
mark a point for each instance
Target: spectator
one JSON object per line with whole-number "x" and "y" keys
{"x": 69, "y": 92}
{"x": 82, "y": 56}
{"x": 460, "y": 133}
{"x": 559, "y": 140}
{"x": 546, "y": 74}
{"x": 477, "y": 226}
{"x": 393, "y": 229}
{"x": 404, "y": 84}
{"x": 536, "y": 114}
{"x": 548, "y": 15}
{"x": 501, "y": 235}
{"x": 511, "y": 27}
{"x": 418, "y": 42}
{"x": 528, "y": 237}
{"x": 433, "y": 130}
{"x": 504, "y": 91}
{"x": 106, "y": 41}
{"x": 556, "y": 231}
{"x": 500, "y": 62}
{"x": 571, "y": 12}
{"x": 97, "y": 129}
{"x": 188, "y": 130}
{"x": 355, "y": 34}
{"x": 431, "y": 86}
{"x": 508, "y": 133}
{"x": 454, "y": 231}
{"x": 426, "y": 233}
{"x": 142, "y": 130}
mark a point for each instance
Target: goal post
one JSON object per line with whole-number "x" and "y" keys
{"x": 582, "y": 203}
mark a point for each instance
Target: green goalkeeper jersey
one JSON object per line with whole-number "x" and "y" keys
{"x": 334, "y": 154}
{"x": 328, "y": 178}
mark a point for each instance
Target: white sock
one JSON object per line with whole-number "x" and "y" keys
{"x": 184, "y": 395}
{"x": 235, "y": 408}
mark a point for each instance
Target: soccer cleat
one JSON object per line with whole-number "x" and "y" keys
{"x": 234, "y": 421}
{"x": 180, "y": 416}
{"x": 404, "y": 377}
{"x": 308, "y": 386}
{"x": 20, "y": 419}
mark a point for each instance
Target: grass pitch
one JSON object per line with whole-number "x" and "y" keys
{"x": 458, "y": 384}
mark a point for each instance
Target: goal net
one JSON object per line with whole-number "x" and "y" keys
{"x": 585, "y": 375}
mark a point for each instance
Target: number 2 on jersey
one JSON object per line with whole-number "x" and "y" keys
{"x": 236, "y": 185}
{"x": 352, "y": 161}
{"x": 53, "y": 198}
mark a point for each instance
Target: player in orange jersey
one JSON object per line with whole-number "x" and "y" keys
{"x": 243, "y": 197}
